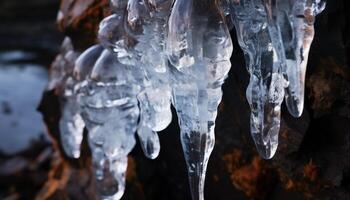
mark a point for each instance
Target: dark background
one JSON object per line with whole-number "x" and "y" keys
{"x": 312, "y": 162}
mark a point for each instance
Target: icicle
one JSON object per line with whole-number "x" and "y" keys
{"x": 148, "y": 29}
{"x": 201, "y": 52}
{"x": 71, "y": 124}
{"x": 297, "y": 23}
{"x": 128, "y": 41}
{"x": 272, "y": 38}
{"x": 266, "y": 88}
{"x": 110, "y": 110}
{"x": 276, "y": 90}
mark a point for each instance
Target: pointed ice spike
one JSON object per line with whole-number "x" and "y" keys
{"x": 282, "y": 33}
{"x": 266, "y": 110}
{"x": 301, "y": 19}
{"x": 71, "y": 124}
{"x": 295, "y": 71}
{"x": 197, "y": 88}
{"x": 266, "y": 88}
{"x": 106, "y": 185}
{"x": 197, "y": 142}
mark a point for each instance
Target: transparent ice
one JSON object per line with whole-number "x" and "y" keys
{"x": 110, "y": 111}
{"x": 71, "y": 124}
{"x": 126, "y": 92}
{"x": 156, "y": 53}
{"x": 275, "y": 37}
{"x": 199, "y": 48}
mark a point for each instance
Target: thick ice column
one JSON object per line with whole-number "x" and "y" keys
{"x": 199, "y": 47}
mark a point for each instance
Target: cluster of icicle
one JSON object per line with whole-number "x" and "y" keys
{"x": 154, "y": 53}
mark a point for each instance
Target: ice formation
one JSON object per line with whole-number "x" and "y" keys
{"x": 275, "y": 37}
{"x": 199, "y": 47}
{"x": 71, "y": 123}
{"x": 154, "y": 53}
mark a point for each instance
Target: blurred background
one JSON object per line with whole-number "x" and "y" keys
{"x": 29, "y": 40}
{"x": 313, "y": 160}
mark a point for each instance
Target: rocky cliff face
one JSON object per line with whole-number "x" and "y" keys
{"x": 313, "y": 159}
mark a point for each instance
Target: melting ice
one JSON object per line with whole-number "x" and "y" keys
{"x": 154, "y": 53}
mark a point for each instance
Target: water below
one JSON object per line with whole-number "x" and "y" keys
{"x": 21, "y": 86}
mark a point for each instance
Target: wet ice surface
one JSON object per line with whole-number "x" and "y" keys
{"x": 21, "y": 87}
{"x": 178, "y": 53}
